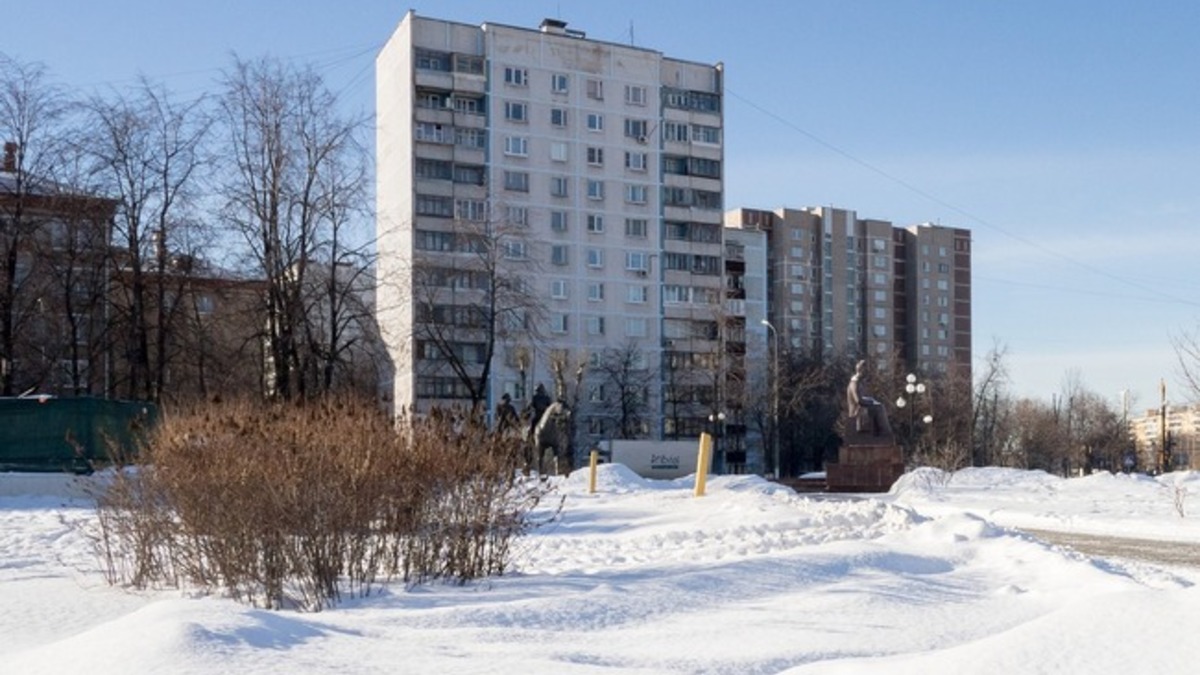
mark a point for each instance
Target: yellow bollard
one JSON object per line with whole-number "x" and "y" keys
{"x": 595, "y": 459}
{"x": 702, "y": 463}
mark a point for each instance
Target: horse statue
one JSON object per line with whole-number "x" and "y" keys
{"x": 550, "y": 444}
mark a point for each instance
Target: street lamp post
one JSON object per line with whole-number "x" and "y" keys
{"x": 716, "y": 421}
{"x": 774, "y": 395}
{"x": 912, "y": 388}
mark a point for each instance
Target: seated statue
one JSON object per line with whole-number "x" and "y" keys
{"x": 863, "y": 408}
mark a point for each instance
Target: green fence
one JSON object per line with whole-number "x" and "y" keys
{"x": 69, "y": 434}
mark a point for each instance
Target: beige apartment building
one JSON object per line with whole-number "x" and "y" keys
{"x": 566, "y": 192}
{"x": 1181, "y": 425}
{"x": 842, "y": 285}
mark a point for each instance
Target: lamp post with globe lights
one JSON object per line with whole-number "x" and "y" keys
{"x": 913, "y": 389}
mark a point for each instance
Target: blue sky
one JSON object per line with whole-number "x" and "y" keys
{"x": 1064, "y": 134}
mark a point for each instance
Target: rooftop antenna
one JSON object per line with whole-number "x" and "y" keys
{"x": 631, "y": 43}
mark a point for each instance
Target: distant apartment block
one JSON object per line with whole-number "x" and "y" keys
{"x": 1180, "y": 425}
{"x": 842, "y": 285}
{"x": 588, "y": 177}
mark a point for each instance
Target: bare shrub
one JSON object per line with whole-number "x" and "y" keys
{"x": 285, "y": 505}
{"x": 1179, "y": 494}
{"x": 947, "y": 455}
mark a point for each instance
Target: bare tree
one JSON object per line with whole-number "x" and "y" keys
{"x": 33, "y": 113}
{"x": 71, "y": 325}
{"x": 470, "y": 295}
{"x": 283, "y": 194}
{"x": 340, "y": 323}
{"x": 1187, "y": 354}
{"x": 989, "y": 413}
{"x": 626, "y": 378}
{"x": 148, "y": 151}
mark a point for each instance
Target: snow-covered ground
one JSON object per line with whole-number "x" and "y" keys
{"x": 643, "y": 577}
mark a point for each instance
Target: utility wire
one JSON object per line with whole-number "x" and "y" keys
{"x": 963, "y": 212}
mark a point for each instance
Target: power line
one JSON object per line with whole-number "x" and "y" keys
{"x": 952, "y": 207}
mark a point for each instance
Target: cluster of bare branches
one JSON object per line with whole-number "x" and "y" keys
{"x": 167, "y": 248}
{"x": 282, "y": 505}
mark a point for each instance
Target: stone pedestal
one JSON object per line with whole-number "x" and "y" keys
{"x": 866, "y": 463}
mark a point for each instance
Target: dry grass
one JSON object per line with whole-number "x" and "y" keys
{"x": 280, "y": 505}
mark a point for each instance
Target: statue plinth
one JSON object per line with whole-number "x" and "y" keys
{"x": 866, "y": 463}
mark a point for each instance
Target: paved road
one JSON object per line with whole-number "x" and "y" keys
{"x": 1146, "y": 550}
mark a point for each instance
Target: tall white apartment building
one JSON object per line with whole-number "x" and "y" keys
{"x": 570, "y": 189}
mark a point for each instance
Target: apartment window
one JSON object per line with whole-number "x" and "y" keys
{"x": 470, "y": 106}
{"x": 595, "y": 156}
{"x": 637, "y": 295}
{"x": 880, "y": 296}
{"x": 674, "y": 164}
{"x": 517, "y": 181}
{"x": 943, "y": 285}
{"x": 595, "y": 292}
{"x": 516, "y": 145}
{"x": 674, "y": 294}
{"x": 880, "y": 313}
{"x": 595, "y": 89}
{"x": 595, "y": 325}
{"x": 433, "y": 133}
{"x": 558, "y": 186}
{"x": 636, "y": 194}
{"x": 595, "y": 189}
{"x": 636, "y": 261}
{"x": 558, "y": 254}
{"x": 430, "y": 60}
{"x": 559, "y": 83}
{"x": 635, "y": 94}
{"x": 676, "y": 131}
{"x": 432, "y": 99}
{"x": 635, "y": 161}
{"x": 635, "y": 327}
{"x": 470, "y": 138}
{"x": 636, "y": 227}
{"x": 514, "y": 250}
{"x": 433, "y": 169}
{"x": 595, "y": 223}
{"x": 558, "y": 323}
{"x": 558, "y": 117}
{"x": 636, "y": 129}
{"x": 517, "y": 215}
{"x": 706, "y": 134}
{"x": 595, "y": 257}
{"x": 797, "y": 305}
{"x": 595, "y": 122}
{"x": 879, "y": 278}
{"x": 470, "y": 209}
{"x": 432, "y": 205}
{"x": 558, "y": 221}
{"x": 516, "y": 112}
{"x": 558, "y": 151}
{"x": 518, "y": 77}
{"x": 880, "y": 261}
{"x": 558, "y": 289}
